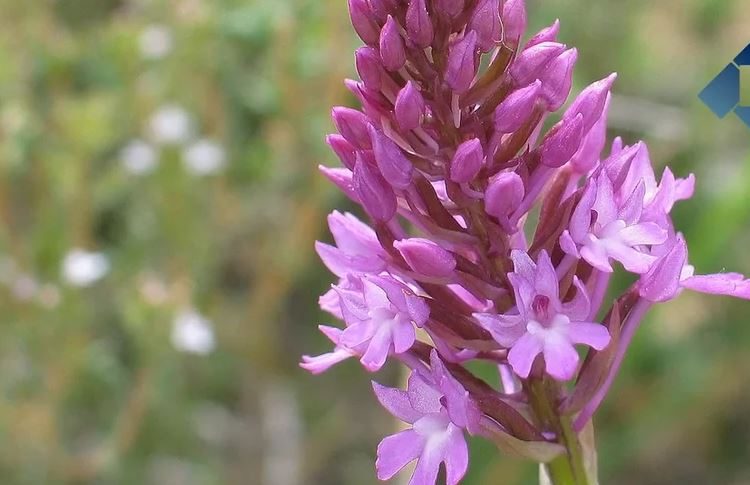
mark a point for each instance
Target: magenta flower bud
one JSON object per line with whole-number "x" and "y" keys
{"x": 461, "y": 63}
{"x": 563, "y": 143}
{"x": 504, "y": 194}
{"x": 486, "y": 23}
{"x": 532, "y": 62}
{"x": 418, "y": 24}
{"x": 392, "y": 46}
{"x": 467, "y": 161}
{"x": 516, "y": 108}
{"x": 343, "y": 149}
{"x": 363, "y": 21}
{"x": 374, "y": 193}
{"x": 548, "y": 34}
{"x": 426, "y": 258}
{"x": 514, "y": 20}
{"x": 662, "y": 282}
{"x": 593, "y": 143}
{"x": 590, "y": 103}
{"x": 369, "y": 67}
{"x": 382, "y": 8}
{"x": 409, "y": 107}
{"x": 557, "y": 79}
{"x": 341, "y": 178}
{"x": 392, "y": 162}
{"x": 352, "y": 124}
{"x": 450, "y": 8}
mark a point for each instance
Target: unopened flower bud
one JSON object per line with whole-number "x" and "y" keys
{"x": 563, "y": 143}
{"x": 392, "y": 46}
{"x": 393, "y": 164}
{"x": 374, "y": 193}
{"x": 486, "y": 23}
{"x": 363, "y": 21}
{"x": 557, "y": 79}
{"x": 382, "y": 8}
{"x": 514, "y": 20}
{"x": 590, "y": 103}
{"x": 516, "y": 108}
{"x": 352, "y": 124}
{"x": 467, "y": 161}
{"x": 418, "y": 24}
{"x": 343, "y": 149}
{"x": 548, "y": 34}
{"x": 369, "y": 67}
{"x": 504, "y": 194}
{"x": 426, "y": 258}
{"x": 461, "y": 63}
{"x": 593, "y": 143}
{"x": 531, "y": 64}
{"x": 409, "y": 107}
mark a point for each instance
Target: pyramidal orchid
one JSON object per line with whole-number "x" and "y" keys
{"x": 490, "y": 238}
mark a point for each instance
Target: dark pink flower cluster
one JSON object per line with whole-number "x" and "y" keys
{"x": 490, "y": 238}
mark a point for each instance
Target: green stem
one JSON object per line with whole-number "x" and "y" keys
{"x": 568, "y": 468}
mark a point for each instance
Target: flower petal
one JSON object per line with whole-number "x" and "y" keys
{"x": 396, "y": 451}
{"x": 428, "y": 465}
{"x": 321, "y": 363}
{"x": 523, "y": 353}
{"x": 505, "y": 329}
{"x": 645, "y": 233}
{"x": 578, "y": 308}
{"x": 396, "y": 402}
{"x": 377, "y": 350}
{"x": 594, "y": 335}
{"x": 403, "y": 335}
{"x": 422, "y": 395}
{"x": 455, "y": 456}
{"x": 730, "y": 284}
{"x": 596, "y": 255}
{"x": 561, "y": 358}
{"x": 545, "y": 280}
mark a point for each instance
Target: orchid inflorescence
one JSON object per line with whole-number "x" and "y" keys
{"x": 519, "y": 232}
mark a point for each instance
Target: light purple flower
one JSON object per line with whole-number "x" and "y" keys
{"x": 601, "y": 230}
{"x": 432, "y": 439}
{"x": 541, "y": 322}
{"x": 380, "y": 319}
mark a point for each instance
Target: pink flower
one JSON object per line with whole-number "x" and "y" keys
{"x": 601, "y": 229}
{"x": 380, "y": 319}
{"x": 541, "y": 323}
{"x": 437, "y": 432}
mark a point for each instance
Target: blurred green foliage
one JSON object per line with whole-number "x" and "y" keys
{"x": 93, "y": 390}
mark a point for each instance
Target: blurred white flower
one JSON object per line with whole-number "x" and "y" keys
{"x": 139, "y": 157}
{"x": 84, "y": 268}
{"x": 193, "y": 333}
{"x": 155, "y": 42}
{"x": 171, "y": 125}
{"x": 204, "y": 157}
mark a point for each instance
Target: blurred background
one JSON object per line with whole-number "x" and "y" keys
{"x": 159, "y": 200}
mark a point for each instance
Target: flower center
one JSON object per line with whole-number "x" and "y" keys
{"x": 383, "y": 316}
{"x": 540, "y": 306}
